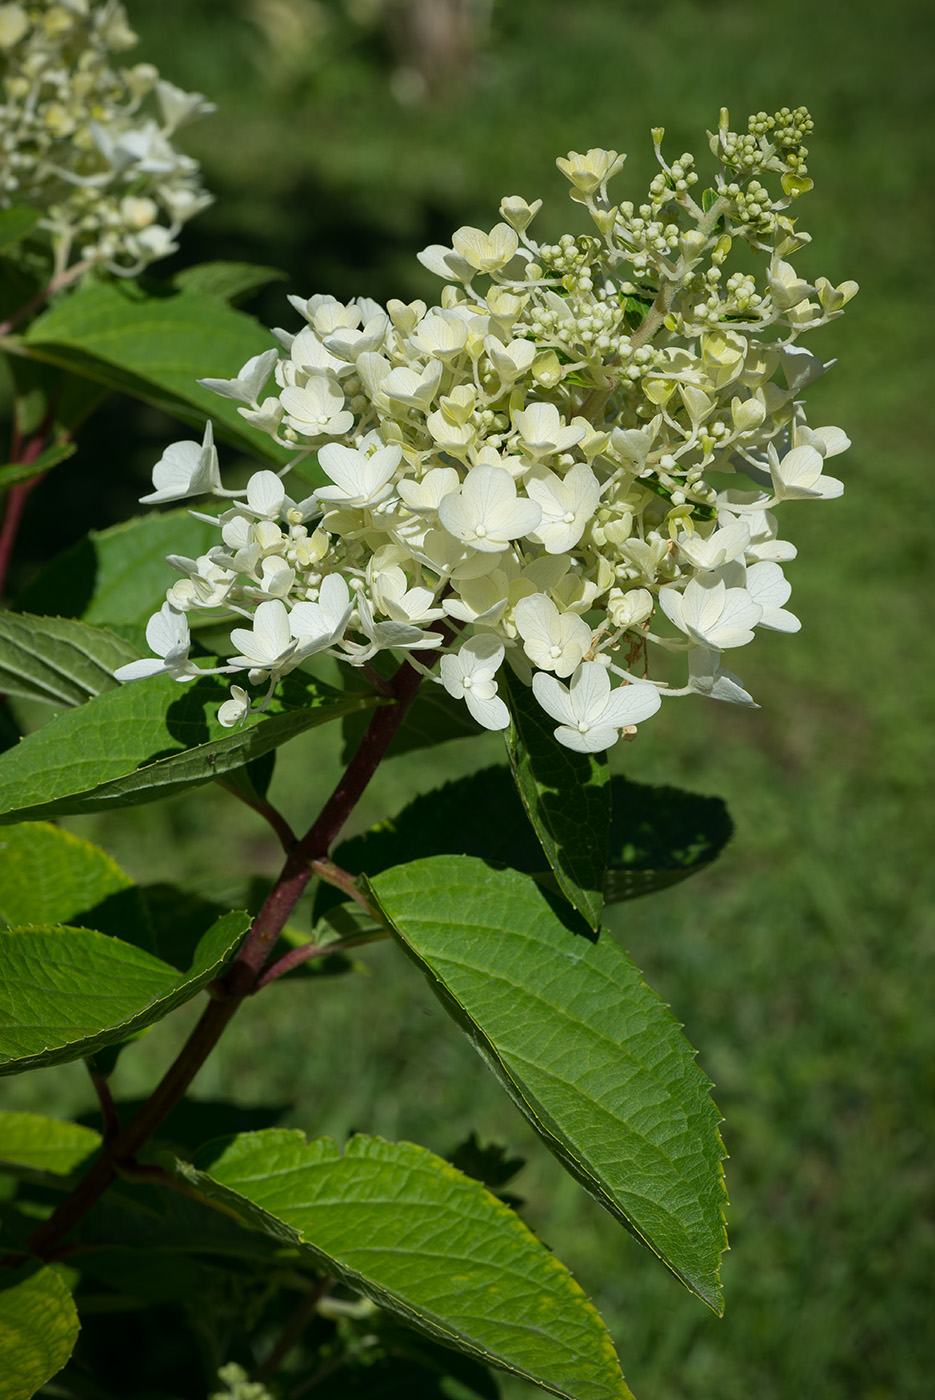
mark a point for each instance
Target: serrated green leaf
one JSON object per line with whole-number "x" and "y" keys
{"x": 119, "y": 575}
{"x": 38, "y": 1329}
{"x": 156, "y": 343}
{"x": 231, "y": 281}
{"x": 15, "y": 223}
{"x": 45, "y": 1144}
{"x": 51, "y": 876}
{"x": 15, "y": 472}
{"x": 587, "y": 1051}
{"x": 567, "y": 798}
{"x": 405, "y": 1228}
{"x": 57, "y": 660}
{"x": 65, "y": 992}
{"x": 150, "y": 739}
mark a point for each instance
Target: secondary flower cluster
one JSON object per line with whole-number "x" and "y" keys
{"x": 76, "y": 142}
{"x": 537, "y": 470}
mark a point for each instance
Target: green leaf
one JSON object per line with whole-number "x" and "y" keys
{"x": 119, "y": 575}
{"x": 50, "y": 876}
{"x": 15, "y": 223}
{"x": 65, "y": 992}
{"x": 231, "y": 281}
{"x": 155, "y": 344}
{"x": 49, "y": 400}
{"x": 659, "y": 836}
{"x": 567, "y": 799}
{"x": 15, "y": 472}
{"x": 38, "y": 1329}
{"x": 402, "y": 1226}
{"x": 150, "y": 739}
{"x": 588, "y": 1052}
{"x": 57, "y": 660}
{"x": 45, "y": 1144}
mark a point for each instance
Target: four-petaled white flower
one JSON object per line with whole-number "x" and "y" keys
{"x": 553, "y": 641}
{"x": 359, "y": 480}
{"x": 268, "y": 647}
{"x": 798, "y": 475}
{"x": 567, "y": 503}
{"x": 468, "y": 675}
{"x": 767, "y": 585}
{"x": 590, "y": 715}
{"x": 712, "y": 614}
{"x": 316, "y": 626}
{"x": 185, "y": 469}
{"x": 249, "y": 382}
{"x": 542, "y": 432}
{"x": 168, "y": 636}
{"x": 317, "y": 409}
{"x": 487, "y": 513}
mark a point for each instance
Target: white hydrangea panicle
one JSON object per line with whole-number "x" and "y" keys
{"x": 79, "y": 143}
{"x": 526, "y": 471}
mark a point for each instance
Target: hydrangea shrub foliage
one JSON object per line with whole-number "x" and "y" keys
{"x": 542, "y": 506}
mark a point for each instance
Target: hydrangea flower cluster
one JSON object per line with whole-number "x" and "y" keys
{"x": 76, "y": 142}
{"x": 542, "y": 470}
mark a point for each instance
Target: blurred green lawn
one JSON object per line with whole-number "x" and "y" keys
{"x": 801, "y": 963}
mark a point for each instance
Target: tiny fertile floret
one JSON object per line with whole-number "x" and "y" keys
{"x": 569, "y": 466}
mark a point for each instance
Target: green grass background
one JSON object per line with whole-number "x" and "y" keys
{"x": 801, "y": 964}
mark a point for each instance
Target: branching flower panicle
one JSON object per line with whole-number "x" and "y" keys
{"x": 89, "y": 144}
{"x": 567, "y": 466}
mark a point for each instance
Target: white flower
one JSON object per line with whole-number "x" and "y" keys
{"x": 723, "y": 547}
{"x": 487, "y": 252}
{"x": 706, "y": 678}
{"x": 541, "y": 431}
{"x": 235, "y": 710}
{"x": 553, "y": 641}
{"x": 768, "y": 586}
{"x": 413, "y": 388}
{"x": 402, "y": 604}
{"x": 710, "y": 613}
{"x": 268, "y": 648}
{"x": 591, "y": 171}
{"x": 786, "y": 287}
{"x": 168, "y": 636}
{"x": 392, "y": 636}
{"x": 205, "y": 585}
{"x": 798, "y": 475}
{"x": 318, "y": 625}
{"x": 360, "y": 480}
{"x": 589, "y": 714}
{"x": 317, "y": 409}
{"x": 487, "y": 513}
{"x": 567, "y": 503}
{"x": 348, "y": 343}
{"x": 185, "y": 469}
{"x": 249, "y": 382}
{"x": 468, "y": 675}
